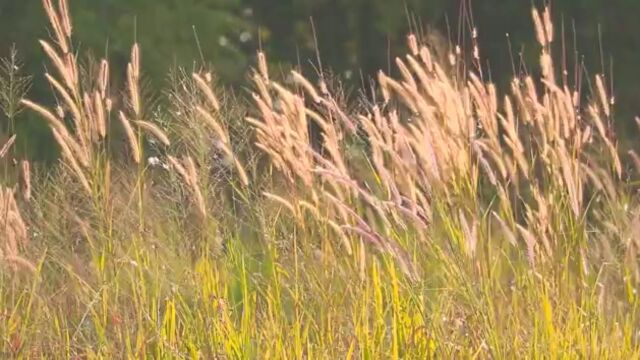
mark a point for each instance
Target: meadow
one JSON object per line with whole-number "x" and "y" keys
{"x": 438, "y": 216}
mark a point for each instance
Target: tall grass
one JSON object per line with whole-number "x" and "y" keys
{"x": 443, "y": 218}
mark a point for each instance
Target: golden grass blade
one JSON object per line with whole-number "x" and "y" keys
{"x": 67, "y": 154}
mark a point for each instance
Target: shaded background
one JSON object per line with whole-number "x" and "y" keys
{"x": 355, "y": 38}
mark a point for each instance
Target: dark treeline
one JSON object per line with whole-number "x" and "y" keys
{"x": 355, "y": 38}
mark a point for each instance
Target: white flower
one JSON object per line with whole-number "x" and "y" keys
{"x": 223, "y": 41}
{"x": 245, "y": 36}
{"x": 154, "y": 161}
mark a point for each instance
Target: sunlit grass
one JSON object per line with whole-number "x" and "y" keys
{"x": 444, "y": 222}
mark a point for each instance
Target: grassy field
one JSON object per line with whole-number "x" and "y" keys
{"x": 438, "y": 217}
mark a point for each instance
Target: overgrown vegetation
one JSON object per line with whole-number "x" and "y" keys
{"x": 439, "y": 218}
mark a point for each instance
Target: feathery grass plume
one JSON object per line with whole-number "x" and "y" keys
{"x": 347, "y": 216}
{"x": 20, "y": 262}
{"x": 133, "y": 78}
{"x": 214, "y": 125}
{"x": 131, "y": 137}
{"x": 100, "y": 110}
{"x": 7, "y": 146}
{"x": 89, "y": 108}
{"x": 282, "y": 201}
{"x": 55, "y": 19}
{"x": 103, "y": 78}
{"x": 262, "y": 88}
{"x": 135, "y": 61}
{"x": 283, "y": 133}
{"x": 206, "y": 90}
{"x": 602, "y": 95}
{"x": 548, "y": 23}
{"x": 69, "y": 103}
{"x": 63, "y": 134}
{"x": 530, "y": 242}
{"x": 180, "y": 169}
{"x": 65, "y": 20}
{"x": 470, "y": 233}
{"x": 539, "y": 28}
{"x": 187, "y": 171}
{"x": 65, "y": 61}
{"x": 309, "y": 88}
{"x": 224, "y": 141}
{"x": 262, "y": 66}
{"x": 90, "y": 131}
{"x": 406, "y": 75}
{"x": 613, "y": 151}
{"x": 53, "y": 121}
{"x": 512, "y": 138}
{"x": 635, "y": 158}
{"x": 25, "y": 179}
{"x": 71, "y": 160}
{"x": 241, "y": 172}
{"x": 59, "y": 64}
{"x": 197, "y": 194}
{"x": 446, "y": 144}
{"x": 190, "y": 167}
{"x": 294, "y": 132}
{"x": 546, "y": 65}
{"x": 154, "y": 130}
{"x": 412, "y": 42}
{"x": 14, "y": 230}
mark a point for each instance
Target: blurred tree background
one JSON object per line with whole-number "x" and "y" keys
{"x": 355, "y": 38}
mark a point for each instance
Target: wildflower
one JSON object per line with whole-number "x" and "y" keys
{"x": 223, "y": 41}
{"x": 154, "y": 161}
{"x": 245, "y": 36}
